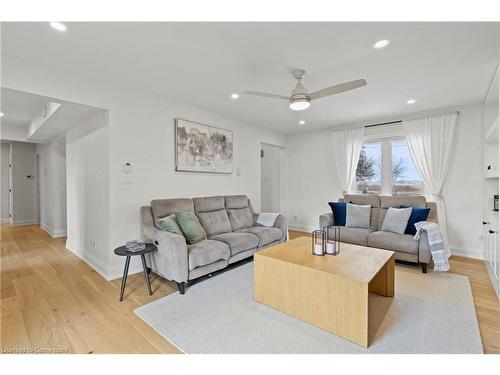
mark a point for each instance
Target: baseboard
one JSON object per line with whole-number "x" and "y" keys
{"x": 467, "y": 252}
{"x": 19, "y": 223}
{"x": 54, "y": 233}
{"x": 5, "y": 221}
{"x": 105, "y": 270}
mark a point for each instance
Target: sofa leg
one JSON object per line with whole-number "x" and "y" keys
{"x": 424, "y": 267}
{"x": 181, "y": 287}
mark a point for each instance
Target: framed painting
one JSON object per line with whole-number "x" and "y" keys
{"x": 202, "y": 148}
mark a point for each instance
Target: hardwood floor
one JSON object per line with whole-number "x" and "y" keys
{"x": 54, "y": 302}
{"x": 51, "y": 301}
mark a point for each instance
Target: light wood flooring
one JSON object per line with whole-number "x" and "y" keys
{"x": 51, "y": 301}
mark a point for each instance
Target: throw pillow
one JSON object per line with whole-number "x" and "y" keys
{"x": 358, "y": 216}
{"x": 190, "y": 227}
{"x": 417, "y": 214}
{"x": 339, "y": 212}
{"x": 396, "y": 220}
{"x": 168, "y": 223}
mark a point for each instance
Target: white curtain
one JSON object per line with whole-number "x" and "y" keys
{"x": 431, "y": 141}
{"x": 347, "y": 145}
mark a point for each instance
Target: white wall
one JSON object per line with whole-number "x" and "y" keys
{"x": 141, "y": 131}
{"x": 52, "y": 184}
{"x": 24, "y": 194}
{"x": 87, "y": 178}
{"x": 313, "y": 182}
{"x": 4, "y": 192}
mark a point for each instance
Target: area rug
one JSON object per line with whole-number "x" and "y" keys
{"x": 430, "y": 313}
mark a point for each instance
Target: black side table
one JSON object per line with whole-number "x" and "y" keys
{"x": 122, "y": 251}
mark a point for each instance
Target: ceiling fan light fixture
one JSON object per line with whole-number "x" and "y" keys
{"x": 300, "y": 104}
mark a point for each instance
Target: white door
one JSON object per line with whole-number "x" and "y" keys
{"x": 270, "y": 162}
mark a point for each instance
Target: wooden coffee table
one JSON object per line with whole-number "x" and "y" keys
{"x": 330, "y": 292}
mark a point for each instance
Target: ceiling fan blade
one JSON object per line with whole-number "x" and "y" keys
{"x": 337, "y": 89}
{"x": 267, "y": 95}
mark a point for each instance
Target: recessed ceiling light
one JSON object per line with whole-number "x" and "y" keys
{"x": 410, "y": 101}
{"x": 381, "y": 44}
{"x": 302, "y": 122}
{"x": 1, "y": 114}
{"x": 235, "y": 96}
{"x": 58, "y": 26}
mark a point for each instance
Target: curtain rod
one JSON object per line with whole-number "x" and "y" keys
{"x": 398, "y": 121}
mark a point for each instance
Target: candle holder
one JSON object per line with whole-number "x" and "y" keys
{"x": 332, "y": 240}
{"x": 318, "y": 242}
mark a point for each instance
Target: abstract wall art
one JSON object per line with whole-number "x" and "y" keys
{"x": 202, "y": 148}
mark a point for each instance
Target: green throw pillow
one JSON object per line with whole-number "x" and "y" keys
{"x": 190, "y": 226}
{"x": 169, "y": 223}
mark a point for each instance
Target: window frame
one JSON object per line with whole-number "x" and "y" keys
{"x": 386, "y": 184}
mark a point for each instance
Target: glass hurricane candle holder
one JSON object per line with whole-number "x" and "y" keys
{"x": 332, "y": 240}
{"x": 318, "y": 242}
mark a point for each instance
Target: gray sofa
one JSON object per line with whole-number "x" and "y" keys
{"x": 405, "y": 247}
{"x": 232, "y": 235}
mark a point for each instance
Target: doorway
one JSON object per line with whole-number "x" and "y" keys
{"x": 271, "y": 169}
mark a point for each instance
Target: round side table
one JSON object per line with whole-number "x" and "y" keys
{"x": 122, "y": 251}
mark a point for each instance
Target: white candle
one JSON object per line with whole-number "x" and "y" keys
{"x": 330, "y": 249}
{"x": 318, "y": 249}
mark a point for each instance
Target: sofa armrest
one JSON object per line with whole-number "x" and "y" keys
{"x": 326, "y": 220}
{"x": 281, "y": 223}
{"x": 171, "y": 259}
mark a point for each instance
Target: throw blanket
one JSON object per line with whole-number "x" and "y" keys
{"x": 267, "y": 218}
{"x": 436, "y": 244}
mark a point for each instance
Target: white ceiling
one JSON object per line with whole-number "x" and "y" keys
{"x": 20, "y": 108}
{"x": 438, "y": 64}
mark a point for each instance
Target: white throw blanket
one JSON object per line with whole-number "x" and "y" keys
{"x": 268, "y": 219}
{"x": 436, "y": 244}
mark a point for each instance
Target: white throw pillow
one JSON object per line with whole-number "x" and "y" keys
{"x": 357, "y": 216}
{"x": 396, "y": 220}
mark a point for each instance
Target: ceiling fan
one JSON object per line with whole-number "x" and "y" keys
{"x": 300, "y": 98}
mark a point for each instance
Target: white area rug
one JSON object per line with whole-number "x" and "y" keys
{"x": 430, "y": 313}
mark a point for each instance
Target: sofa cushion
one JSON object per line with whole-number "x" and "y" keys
{"x": 168, "y": 223}
{"x": 365, "y": 199}
{"x": 396, "y": 201}
{"x": 238, "y": 242}
{"x": 206, "y": 204}
{"x": 357, "y": 216}
{"x": 339, "y": 212}
{"x": 236, "y": 201}
{"x": 165, "y": 207}
{"x": 396, "y": 220}
{"x": 190, "y": 227}
{"x": 215, "y": 222}
{"x": 392, "y": 241}
{"x": 417, "y": 214}
{"x": 357, "y": 236}
{"x": 266, "y": 235}
{"x": 207, "y": 251}
{"x": 240, "y": 218}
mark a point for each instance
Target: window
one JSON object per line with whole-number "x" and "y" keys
{"x": 386, "y": 167}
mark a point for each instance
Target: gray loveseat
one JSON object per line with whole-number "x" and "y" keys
{"x": 232, "y": 235}
{"x": 405, "y": 247}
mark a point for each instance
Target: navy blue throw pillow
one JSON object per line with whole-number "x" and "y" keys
{"x": 417, "y": 214}
{"x": 339, "y": 212}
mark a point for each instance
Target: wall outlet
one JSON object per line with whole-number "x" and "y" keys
{"x": 93, "y": 244}
{"x": 295, "y": 218}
